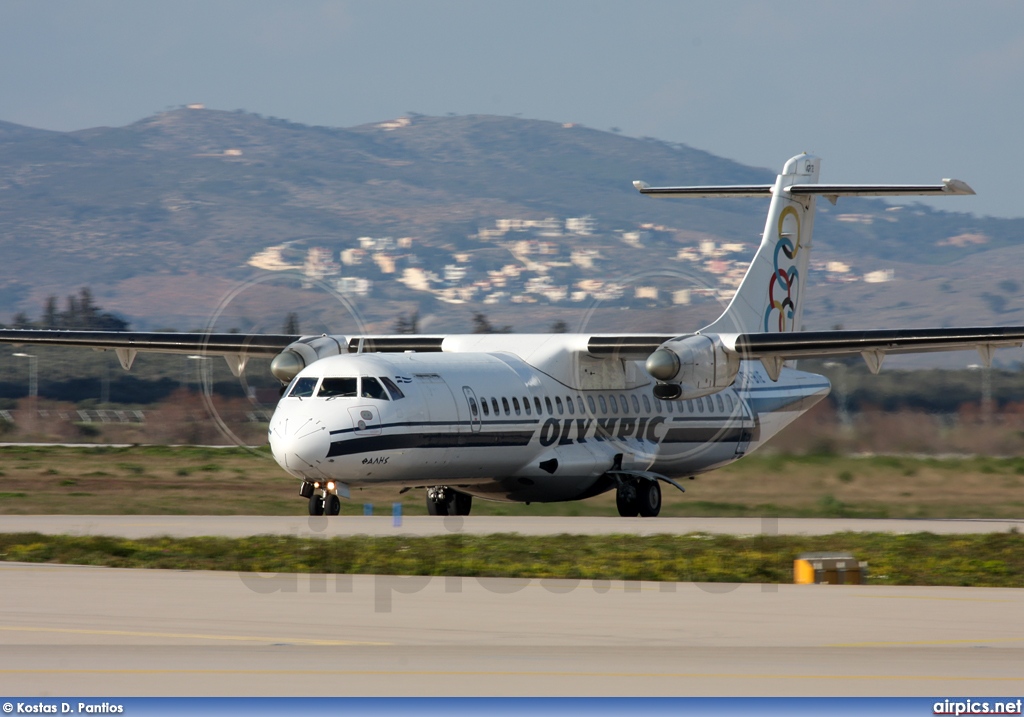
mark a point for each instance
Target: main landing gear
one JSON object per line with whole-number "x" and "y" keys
{"x": 442, "y": 500}
{"x": 638, "y": 497}
{"x": 322, "y": 499}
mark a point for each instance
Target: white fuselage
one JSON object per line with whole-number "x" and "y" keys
{"x": 494, "y": 426}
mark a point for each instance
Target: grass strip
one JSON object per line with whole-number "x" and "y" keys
{"x": 992, "y": 560}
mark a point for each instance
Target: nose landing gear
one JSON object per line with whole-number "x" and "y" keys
{"x": 322, "y": 498}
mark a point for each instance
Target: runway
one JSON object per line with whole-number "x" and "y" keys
{"x": 103, "y": 632}
{"x": 236, "y": 526}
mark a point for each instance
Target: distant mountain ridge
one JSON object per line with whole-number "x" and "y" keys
{"x": 186, "y": 198}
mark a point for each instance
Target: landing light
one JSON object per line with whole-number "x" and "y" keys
{"x": 330, "y": 485}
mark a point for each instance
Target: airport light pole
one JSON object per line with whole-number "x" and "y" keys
{"x": 33, "y": 374}
{"x": 844, "y": 413}
{"x": 205, "y": 377}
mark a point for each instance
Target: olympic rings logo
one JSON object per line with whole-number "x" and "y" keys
{"x": 784, "y": 287}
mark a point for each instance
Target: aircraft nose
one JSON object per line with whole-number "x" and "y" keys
{"x": 300, "y": 444}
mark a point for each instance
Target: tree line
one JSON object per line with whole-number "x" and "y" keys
{"x": 80, "y": 312}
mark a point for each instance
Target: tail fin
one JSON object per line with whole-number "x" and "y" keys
{"x": 770, "y": 297}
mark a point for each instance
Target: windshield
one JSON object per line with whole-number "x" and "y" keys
{"x": 333, "y": 387}
{"x": 303, "y": 387}
{"x": 373, "y": 389}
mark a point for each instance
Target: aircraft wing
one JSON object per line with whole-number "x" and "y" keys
{"x": 235, "y": 348}
{"x": 774, "y": 348}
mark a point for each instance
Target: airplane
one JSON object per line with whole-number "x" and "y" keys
{"x": 561, "y": 417}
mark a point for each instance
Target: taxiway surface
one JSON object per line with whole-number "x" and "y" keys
{"x": 101, "y": 632}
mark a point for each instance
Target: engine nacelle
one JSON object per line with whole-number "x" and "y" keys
{"x": 307, "y": 350}
{"x": 692, "y": 367}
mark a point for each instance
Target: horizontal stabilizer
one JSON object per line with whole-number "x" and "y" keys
{"x": 738, "y": 190}
{"x": 830, "y": 191}
{"x": 948, "y": 186}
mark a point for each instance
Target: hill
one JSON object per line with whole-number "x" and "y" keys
{"x": 195, "y": 218}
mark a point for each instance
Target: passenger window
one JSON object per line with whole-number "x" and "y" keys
{"x": 393, "y": 389}
{"x": 647, "y": 404}
{"x": 303, "y": 387}
{"x": 668, "y": 405}
{"x": 568, "y": 404}
{"x": 604, "y": 405}
{"x": 728, "y": 402}
{"x": 623, "y": 403}
{"x": 657, "y": 405}
{"x": 515, "y": 405}
{"x": 718, "y": 400}
{"x": 613, "y": 404}
{"x": 536, "y": 404}
{"x": 590, "y": 402}
{"x": 711, "y": 406}
{"x": 526, "y": 405}
{"x": 494, "y": 405}
{"x": 339, "y": 387}
{"x": 547, "y": 402}
{"x": 700, "y": 406}
{"x": 558, "y": 404}
{"x": 579, "y": 405}
{"x": 504, "y": 404}
{"x": 483, "y": 405}
{"x": 636, "y": 404}
{"x": 472, "y": 406}
{"x": 371, "y": 388}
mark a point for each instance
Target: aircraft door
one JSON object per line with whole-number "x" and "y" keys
{"x": 742, "y": 418}
{"x": 474, "y": 409}
{"x": 440, "y": 433}
{"x": 743, "y": 444}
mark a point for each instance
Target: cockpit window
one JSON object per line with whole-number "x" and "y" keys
{"x": 303, "y": 387}
{"x": 393, "y": 389}
{"x": 338, "y": 387}
{"x": 373, "y": 389}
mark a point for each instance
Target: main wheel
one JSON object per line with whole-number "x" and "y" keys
{"x": 332, "y": 505}
{"x": 625, "y": 500}
{"x": 461, "y": 504}
{"x": 437, "y": 507}
{"x": 316, "y": 505}
{"x": 648, "y": 498}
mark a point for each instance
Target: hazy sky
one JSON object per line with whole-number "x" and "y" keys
{"x": 907, "y": 91}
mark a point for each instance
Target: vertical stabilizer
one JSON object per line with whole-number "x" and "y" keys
{"x": 770, "y": 297}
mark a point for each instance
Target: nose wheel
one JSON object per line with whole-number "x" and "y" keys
{"x": 316, "y": 504}
{"x": 321, "y": 503}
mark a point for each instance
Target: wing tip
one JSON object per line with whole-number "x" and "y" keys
{"x": 956, "y": 186}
